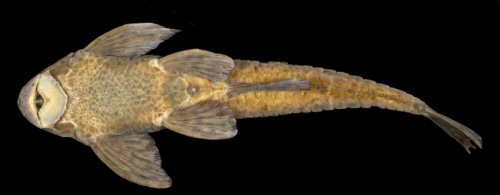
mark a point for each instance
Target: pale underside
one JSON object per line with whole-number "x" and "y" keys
{"x": 116, "y": 96}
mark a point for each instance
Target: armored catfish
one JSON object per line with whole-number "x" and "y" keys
{"x": 110, "y": 96}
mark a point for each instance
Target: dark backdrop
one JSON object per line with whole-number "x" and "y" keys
{"x": 442, "y": 52}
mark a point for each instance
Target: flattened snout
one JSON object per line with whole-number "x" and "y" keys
{"x": 26, "y": 101}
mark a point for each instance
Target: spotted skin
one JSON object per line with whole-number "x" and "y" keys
{"x": 329, "y": 90}
{"x": 111, "y": 96}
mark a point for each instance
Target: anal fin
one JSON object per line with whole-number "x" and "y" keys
{"x": 209, "y": 119}
{"x": 283, "y": 85}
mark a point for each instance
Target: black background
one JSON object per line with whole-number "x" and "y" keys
{"x": 444, "y": 52}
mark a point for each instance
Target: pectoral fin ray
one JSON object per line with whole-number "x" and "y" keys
{"x": 133, "y": 157}
{"x": 130, "y": 40}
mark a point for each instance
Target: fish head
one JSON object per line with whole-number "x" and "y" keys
{"x": 42, "y": 102}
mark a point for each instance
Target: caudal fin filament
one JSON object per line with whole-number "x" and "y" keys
{"x": 462, "y": 134}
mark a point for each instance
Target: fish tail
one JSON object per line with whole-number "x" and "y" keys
{"x": 462, "y": 134}
{"x": 276, "y": 88}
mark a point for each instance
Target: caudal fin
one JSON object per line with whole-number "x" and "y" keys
{"x": 462, "y": 134}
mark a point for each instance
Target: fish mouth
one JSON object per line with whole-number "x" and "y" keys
{"x": 27, "y": 102}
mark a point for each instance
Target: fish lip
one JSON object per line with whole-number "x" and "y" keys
{"x": 58, "y": 93}
{"x": 26, "y": 101}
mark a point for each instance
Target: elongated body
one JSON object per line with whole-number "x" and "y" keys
{"x": 110, "y": 96}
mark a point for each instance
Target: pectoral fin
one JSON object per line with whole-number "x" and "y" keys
{"x": 130, "y": 40}
{"x": 206, "y": 120}
{"x": 133, "y": 157}
{"x": 212, "y": 66}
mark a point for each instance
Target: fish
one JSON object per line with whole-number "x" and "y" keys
{"x": 110, "y": 96}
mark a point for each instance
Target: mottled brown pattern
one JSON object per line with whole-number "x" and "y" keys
{"x": 330, "y": 90}
{"x": 111, "y": 95}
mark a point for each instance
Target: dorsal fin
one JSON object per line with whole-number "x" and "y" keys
{"x": 130, "y": 40}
